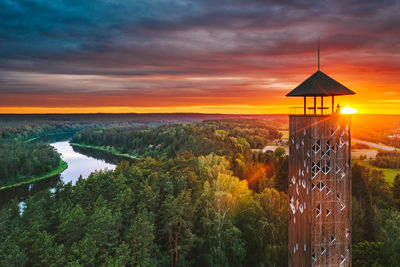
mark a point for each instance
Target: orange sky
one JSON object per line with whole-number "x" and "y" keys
{"x": 190, "y": 56}
{"x": 375, "y": 93}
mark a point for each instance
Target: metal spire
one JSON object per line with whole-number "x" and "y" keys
{"x": 318, "y": 53}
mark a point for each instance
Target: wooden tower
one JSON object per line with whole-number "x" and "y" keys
{"x": 319, "y": 178}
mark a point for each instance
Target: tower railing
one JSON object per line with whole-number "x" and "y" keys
{"x": 299, "y": 110}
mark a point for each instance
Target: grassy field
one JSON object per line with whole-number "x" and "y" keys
{"x": 389, "y": 173}
{"x": 62, "y": 167}
{"x": 105, "y": 149}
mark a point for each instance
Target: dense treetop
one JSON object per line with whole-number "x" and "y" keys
{"x": 20, "y": 161}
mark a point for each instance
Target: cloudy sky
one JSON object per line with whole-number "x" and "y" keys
{"x": 225, "y": 56}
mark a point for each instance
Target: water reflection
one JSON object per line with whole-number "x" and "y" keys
{"x": 101, "y": 155}
{"x": 78, "y": 164}
{"x": 23, "y": 191}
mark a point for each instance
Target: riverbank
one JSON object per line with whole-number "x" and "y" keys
{"x": 47, "y": 135}
{"x": 107, "y": 150}
{"x": 61, "y": 167}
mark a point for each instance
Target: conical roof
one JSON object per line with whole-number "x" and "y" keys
{"x": 320, "y": 84}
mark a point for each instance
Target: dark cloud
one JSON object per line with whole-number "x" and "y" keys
{"x": 111, "y": 47}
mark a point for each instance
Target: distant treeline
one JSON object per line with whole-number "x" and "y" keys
{"x": 26, "y": 126}
{"x": 387, "y": 159}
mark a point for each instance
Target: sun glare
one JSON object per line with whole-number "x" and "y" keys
{"x": 348, "y": 110}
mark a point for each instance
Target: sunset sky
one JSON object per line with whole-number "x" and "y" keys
{"x": 211, "y": 56}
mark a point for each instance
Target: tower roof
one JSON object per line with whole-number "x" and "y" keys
{"x": 320, "y": 84}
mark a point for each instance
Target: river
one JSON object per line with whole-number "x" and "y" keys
{"x": 78, "y": 164}
{"x": 81, "y": 162}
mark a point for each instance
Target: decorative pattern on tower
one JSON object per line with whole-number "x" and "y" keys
{"x": 319, "y": 180}
{"x": 319, "y": 191}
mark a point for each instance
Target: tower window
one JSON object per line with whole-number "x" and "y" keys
{"x": 314, "y": 256}
{"x": 318, "y": 210}
{"x": 327, "y": 167}
{"x": 323, "y": 250}
{"x": 341, "y": 142}
{"x": 317, "y": 146}
{"x": 342, "y": 259}
{"x": 328, "y": 190}
{"x": 328, "y": 145}
{"x": 333, "y": 238}
{"x": 328, "y": 212}
{"x": 321, "y": 186}
{"x": 327, "y": 148}
{"x": 315, "y": 169}
{"x": 337, "y": 169}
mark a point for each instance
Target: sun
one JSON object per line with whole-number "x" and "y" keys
{"x": 348, "y": 110}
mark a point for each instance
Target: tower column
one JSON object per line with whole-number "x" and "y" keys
{"x": 315, "y": 105}
{"x": 322, "y": 105}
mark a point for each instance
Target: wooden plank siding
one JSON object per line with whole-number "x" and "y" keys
{"x": 319, "y": 190}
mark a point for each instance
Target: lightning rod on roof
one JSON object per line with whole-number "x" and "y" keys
{"x": 318, "y": 53}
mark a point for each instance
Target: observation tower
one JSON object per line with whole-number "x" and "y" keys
{"x": 319, "y": 176}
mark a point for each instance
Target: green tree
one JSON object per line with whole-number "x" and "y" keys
{"x": 12, "y": 254}
{"x": 396, "y": 190}
{"x": 46, "y": 251}
{"x": 84, "y": 251}
{"x": 367, "y": 254}
{"x": 391, "y": 236}
{"x": 140, "y": 238}
{"x": 279, "y": 152}
{"x": 281, "y": 178}
{"x": 221, "y": 194}
{"x": 272, "y": 233}
{"x": 72, "y": 226}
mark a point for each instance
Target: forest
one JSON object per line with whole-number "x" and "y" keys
{"x": 232, "y": 138}
{"x": 199, "y": 195}
{"x": 20, "y": 161}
